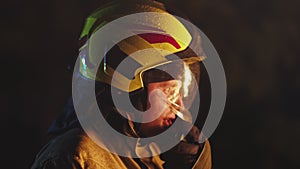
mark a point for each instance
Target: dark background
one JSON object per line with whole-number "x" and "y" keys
{"x": 257, "y": 40}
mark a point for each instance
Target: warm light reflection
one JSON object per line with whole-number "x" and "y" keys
{"x": 187, "y": 79}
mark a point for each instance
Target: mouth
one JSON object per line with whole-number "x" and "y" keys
{"x": 168, "y": 121}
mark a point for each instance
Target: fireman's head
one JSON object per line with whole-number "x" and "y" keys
{"x": 157, "y": 53}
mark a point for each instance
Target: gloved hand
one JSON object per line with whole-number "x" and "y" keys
{"x": 185, "y": 153}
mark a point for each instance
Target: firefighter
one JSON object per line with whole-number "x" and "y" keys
{"x": 159, "y": 72}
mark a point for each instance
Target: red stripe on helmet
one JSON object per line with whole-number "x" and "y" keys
{"x": 159, "y": 38}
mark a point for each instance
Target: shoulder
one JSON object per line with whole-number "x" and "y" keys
{"x": 76, "y": 150}
{"x": 69, "y": 150}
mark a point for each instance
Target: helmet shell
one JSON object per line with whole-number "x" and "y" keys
{"x": 143, "y": 51}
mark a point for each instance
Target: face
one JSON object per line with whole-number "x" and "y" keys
{"x": 161, "y": 94}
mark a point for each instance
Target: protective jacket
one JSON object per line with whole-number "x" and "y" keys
{"x": 73, "y": 148}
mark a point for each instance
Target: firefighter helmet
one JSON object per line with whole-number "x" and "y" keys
{"x": 169, "y": 38}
